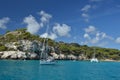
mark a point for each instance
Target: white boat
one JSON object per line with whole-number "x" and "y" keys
{"x": 44, "y": 58}
{"x": 94, "y": 59}
{"x": 47, "y": 62}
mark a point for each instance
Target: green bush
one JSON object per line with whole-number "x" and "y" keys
{"x": 3, "y": 48}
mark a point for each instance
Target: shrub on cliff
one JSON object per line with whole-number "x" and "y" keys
{"x": 3, "y": 48}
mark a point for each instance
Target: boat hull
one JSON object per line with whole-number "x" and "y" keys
{"x": 94, "y": 60}
{"x": 45, "y": 62}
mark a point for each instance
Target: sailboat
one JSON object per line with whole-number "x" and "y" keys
{"x": 44, "y": 58}
{"x": 94, "y": 59}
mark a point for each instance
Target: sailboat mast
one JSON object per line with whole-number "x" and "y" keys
{"x": 94, "y": 53}
{"x": 45, "y": 43}
{"x": 46, "y": 46}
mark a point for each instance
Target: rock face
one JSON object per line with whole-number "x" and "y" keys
{"x": 11, "y": 45}
{"x": 33, "y": 56}
{"x": 62, "y": 56}
{"x": 17, "y": 55}
{"x": 55, "y": 56}
{"x": 26, "y": 44}
{"x": 27, "y": 55}
{"x": 25, "y": 49}
{"x": 71, "y": 57}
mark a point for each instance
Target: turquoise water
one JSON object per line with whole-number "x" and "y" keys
{"x": 63, "y": 70}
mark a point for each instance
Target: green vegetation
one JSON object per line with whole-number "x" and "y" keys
{"x": 2, "y": 48}
{"x": 101, "y": 53}
{"x": 20, "y": 34}
{"x": 65, "y": 48}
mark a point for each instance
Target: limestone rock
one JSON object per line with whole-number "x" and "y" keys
{"x": 71, "y": 57}
{"x": 62, "y": 56}
{"x": 55, "y": 55}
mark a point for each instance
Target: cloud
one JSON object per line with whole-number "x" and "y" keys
{"x": 90, "y": 29}
{"x": 86, "y": 8}
{"x": 3, "y": 22}
{"x": 85, "y": 15}
{"x": 32, "y": 25}
{"x": 44, "y": 35}
{"x": 94, "y": 36}
{"x": 103, "y": 35}
{"x": 45, "y": 17}
{"x": 95, "y": 40}
{"x": 62, "y": 30}
{"x": 51, "y": 35}
{"x": 58, "y": 31}
{"x": 118, "y": 40}
{"x": 87, "y": 36}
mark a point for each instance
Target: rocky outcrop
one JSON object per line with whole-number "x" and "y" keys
{"x": 27, "y": 55}
{"x": 55, "y": 56}
{"x": 11, "y": 45}
{"x": 33, "y": 56}
{"x": 62, "y": 56}
{"x": 71, "y": 57}
{"x": 68, "y": 57}
{"x": 17, "y": 55}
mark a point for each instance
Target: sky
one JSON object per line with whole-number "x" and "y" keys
{"x": 87, "y": 22}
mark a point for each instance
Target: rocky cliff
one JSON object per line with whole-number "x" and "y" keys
{"x": 20, "y": 44}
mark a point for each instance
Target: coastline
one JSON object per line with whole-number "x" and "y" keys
{"x": 19, "y": 55}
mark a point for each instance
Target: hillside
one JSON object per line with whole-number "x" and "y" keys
{"x": 21, "y": 40}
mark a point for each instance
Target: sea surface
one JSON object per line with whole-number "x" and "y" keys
{"x": 62, "y": 70}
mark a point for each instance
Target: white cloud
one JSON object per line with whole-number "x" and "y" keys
{"x": 62, "y": 30}
{"x": 58, "y": 31}
{"x": 118, "y": 40}
{"x": 44, "y": 35}
{"x": 45, "y": 16}
{"x": 86, "y": 8}
{"x": 94, "y": 36}
{"x": 51, "y": 35}
{"x": 32, "y": 25}
{"x": 3, "y": 22}
{"x": 104, "y": 35}
{"x": 85, "y": 15}
{"x": 87, "y": 36}
{"x": 90, "y": 29}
